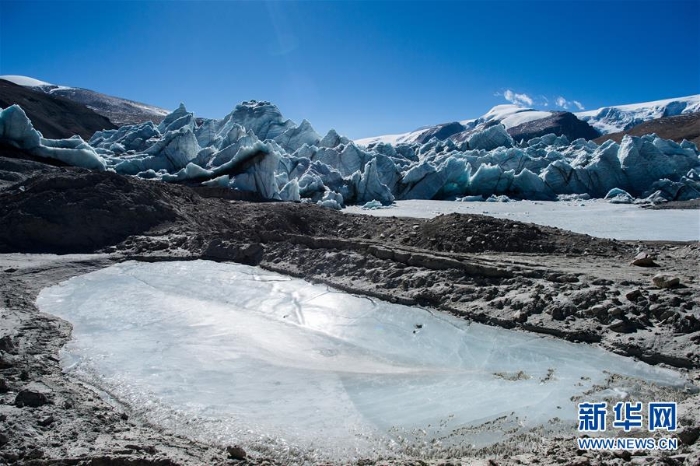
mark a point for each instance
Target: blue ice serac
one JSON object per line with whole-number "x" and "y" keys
{"x": 256, "y": 149}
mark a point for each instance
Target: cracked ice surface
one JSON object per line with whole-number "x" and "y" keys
{"x": 234, "y": 354}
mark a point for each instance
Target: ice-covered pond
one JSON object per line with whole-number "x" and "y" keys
{"x": 594, "y": 217}
{"x": 234, "y": 354}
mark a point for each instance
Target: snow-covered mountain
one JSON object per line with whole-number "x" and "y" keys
{"x": 119, "y": 111}
{"x": 508, "y": 115}
{"x": 605, "y": 120}
{"x": 623, "y": 117}
{"x": 255, "y": 149}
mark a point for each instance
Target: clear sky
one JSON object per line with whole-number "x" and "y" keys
{"x": 364, "y": 68}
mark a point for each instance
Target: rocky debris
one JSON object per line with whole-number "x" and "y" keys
{"x": 47, "y": 421}
{"x": 622, "y": 326}
{"x": 634, "y": 295}
{"x": 14, "y": 170}
{"x": 644, "y": 259}
{"x": 7, "y": 344}
{"x": 31, "y": 399}
{"x": 665, "y": 281}
{"x": 236, "y": 453}
{"x": 249, "y": 254}
{"x": 689, "y": 435}
{"x": 6, "y": 361}
{"x": 70, "y": 212}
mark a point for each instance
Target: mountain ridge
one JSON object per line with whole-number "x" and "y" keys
{"x": 118, "y": 110}
{"x": 605, "y": 120}
{"x": 54, "y": 116}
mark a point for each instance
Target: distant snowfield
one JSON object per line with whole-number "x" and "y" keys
{"x": 595, "y": 217}
{"x": 228, "y": 353}
{"x": 610, "y": 119}
{"x": 24, "y": 80}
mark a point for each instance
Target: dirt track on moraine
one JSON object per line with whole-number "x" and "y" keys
{"x": 514, "y": 275}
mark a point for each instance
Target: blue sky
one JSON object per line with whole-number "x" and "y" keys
{"x": 364, "y": 68}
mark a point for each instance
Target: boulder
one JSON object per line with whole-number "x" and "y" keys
{"x": 30, "y": 398}
{"x": 665, "y": 281}
{"x": 644, "y": 259}
{"x": 236, "y": 453}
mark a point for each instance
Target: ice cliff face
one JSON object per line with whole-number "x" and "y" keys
{"x": 255, "y": 148}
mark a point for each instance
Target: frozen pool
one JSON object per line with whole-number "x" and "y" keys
{"x": 234, "y": 354}
{"x": 595, "y": 217}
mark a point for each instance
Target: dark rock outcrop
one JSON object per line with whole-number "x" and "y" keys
{"x": 442, "y": 132}
{"x": 560, "y": 123}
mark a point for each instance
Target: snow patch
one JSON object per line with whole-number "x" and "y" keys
{"x": 25, "y": 81}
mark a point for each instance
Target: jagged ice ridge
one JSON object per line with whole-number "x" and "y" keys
{"x": 256, "y": 149}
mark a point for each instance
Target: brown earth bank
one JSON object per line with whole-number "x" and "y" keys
{"x": 676, "y": 128}
{"x": 514, "y": 275}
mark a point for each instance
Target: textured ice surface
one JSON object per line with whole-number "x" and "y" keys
{"x": 593, "y": 217}
{"x": 231, "y": 353}
{"x": 17, "y": 131}
{"x": 261, "y": 151}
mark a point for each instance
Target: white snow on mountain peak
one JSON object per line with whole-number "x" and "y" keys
{"x": 25, "y": 81}
{"x": 607, "y": 120}
{"x": 618, "y": 118}
{"x": 510, "y": 115}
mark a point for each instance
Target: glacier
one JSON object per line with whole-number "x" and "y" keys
{"x": 228, "y": 353}
{"x": 256, "y": 149}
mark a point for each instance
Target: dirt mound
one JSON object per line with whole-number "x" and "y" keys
{"x": 72, "y": 210}
{"x": 80, "y": 212}
{"x": 15, "y": 169}
{"x": 463, "y": 233}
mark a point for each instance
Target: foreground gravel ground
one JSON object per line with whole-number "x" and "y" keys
{"x": 514, "y": 275}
